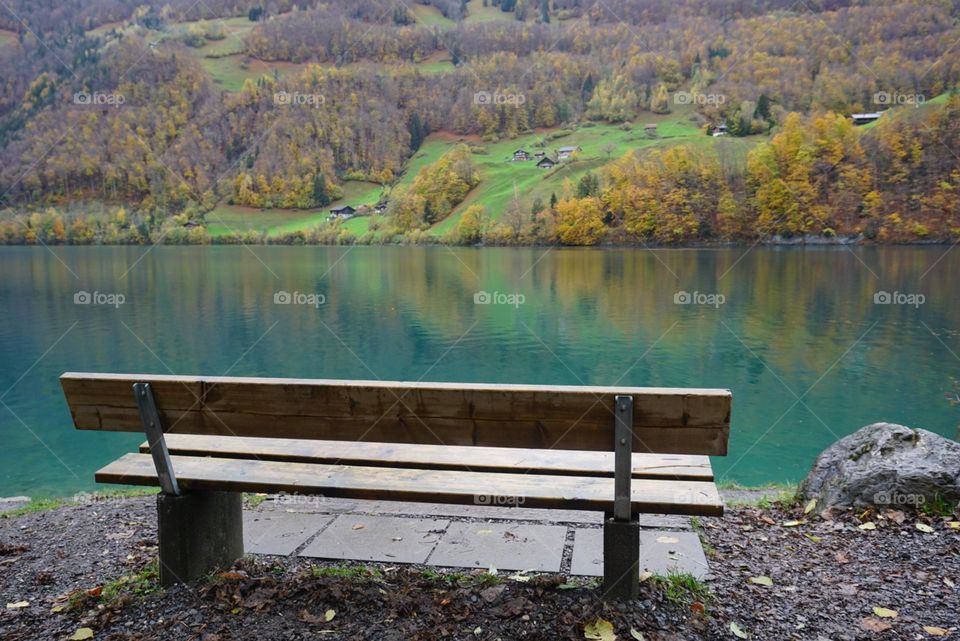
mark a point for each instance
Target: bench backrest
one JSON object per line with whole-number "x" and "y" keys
{"x": 665, "y": 420}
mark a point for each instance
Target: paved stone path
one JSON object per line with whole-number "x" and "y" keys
{"x": 460, "y": 536}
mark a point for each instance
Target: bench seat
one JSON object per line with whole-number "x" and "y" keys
{"x": 418, "y": 485}
{"x": 677, "y": 467}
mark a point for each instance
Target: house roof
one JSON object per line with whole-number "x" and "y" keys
{"x": 573, "y": 148}
{"x": 546, "y": 159}
{"x": 342, "y": 208}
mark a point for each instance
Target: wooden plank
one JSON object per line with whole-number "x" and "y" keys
{"x": 428, "y": 486}
{"x": 667, "y": 420}
{"x": 439, "y": 457}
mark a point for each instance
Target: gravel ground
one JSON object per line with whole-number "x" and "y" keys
{"x": 771, "y": 578}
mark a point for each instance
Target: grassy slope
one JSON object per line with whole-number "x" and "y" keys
{"x": 479, "y": 13}
{"x": 7, "y": 37}
{"x": 227, "y": 219}
{"x": 429, "y": 16}
{"x": 501, "y": 178}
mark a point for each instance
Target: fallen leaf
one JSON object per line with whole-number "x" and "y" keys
{"x": 667, "y": 539}
{"x": 949, "y": 583}
{"x": 810, "y": 505}
{"x": 58, "y": 608}
{"x": 697, "y": 608}
{"x": 81, "y": 634}
{"x": 841, "y": 558}
{"x": 761, "y": 580}
{"x": 328, "y": 615}
{"x": 934, "y": 631}
{"x": 358, "y": 526}
{"x": 869, "y": 525}
{"x": 600, "y": 630}
{"x": 491, "y": 594}
{"x": 567, "y": 586}
{"x": 923, "y": 527}
{"x": 793, "y": 523}
{"x": 645, "y": 575}
{"x": 954, "y": 524}
{"x": 95, "y": 592}
{"x": 17, "y": 605}
{"x": 523, "y": 578}
{"x": 815, "y": 539}
{"x": 477, "y": 631}
{"x": 885, "y": 613}
{"x": 874, "y": 625}
{"x": 768, "y": 520}
{"x": 232, "y": 575}
{"x": 307, "y": 617}
{"x": 636, "y": 635}
{"x": 739, "y": 633}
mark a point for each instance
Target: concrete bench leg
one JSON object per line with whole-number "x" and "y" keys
{"x": 198, "y": 532}
{"x": 621, "y": 559}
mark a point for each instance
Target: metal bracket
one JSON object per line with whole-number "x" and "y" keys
{"x": 158, "y": 445}
{"x": 622, "y": 457}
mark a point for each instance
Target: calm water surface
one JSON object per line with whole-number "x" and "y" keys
{"x": 798, "y": 338}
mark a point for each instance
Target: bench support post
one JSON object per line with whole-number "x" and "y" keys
{"x": 154, "y": 431}
{"x": 198, "y": 532}
{"x": 621, "y": 534}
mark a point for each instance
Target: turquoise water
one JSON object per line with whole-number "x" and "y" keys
{"x": 797, "y": 336}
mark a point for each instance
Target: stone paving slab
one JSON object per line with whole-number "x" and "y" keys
{"x": 506, "y": 546}
{"x": 660, "y": 553}
{"x": 377, "y": 538}
{"x": 279, "y": 533}
{"x": 340, "y": 506}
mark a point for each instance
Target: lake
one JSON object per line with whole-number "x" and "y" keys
{"x": 795, "y": 333}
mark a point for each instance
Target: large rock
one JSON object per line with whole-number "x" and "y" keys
{"x": 885, "y": 465}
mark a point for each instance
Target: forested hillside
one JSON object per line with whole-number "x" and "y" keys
{"x": 178, "y": 121}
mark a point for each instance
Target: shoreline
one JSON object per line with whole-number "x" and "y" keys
{"x": 778, "y": 244}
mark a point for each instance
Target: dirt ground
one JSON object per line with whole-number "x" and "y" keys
{"x": 776, "y": 574}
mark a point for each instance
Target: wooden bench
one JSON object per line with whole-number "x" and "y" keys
{"x": 620, "y": 450}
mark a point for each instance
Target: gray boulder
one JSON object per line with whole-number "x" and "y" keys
{"x": 885, "y": 465}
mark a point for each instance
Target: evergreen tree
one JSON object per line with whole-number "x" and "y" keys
{"x": 320, "y": 196}
{"x": 763, "y": 108}
{"x": 417, "y": 132}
